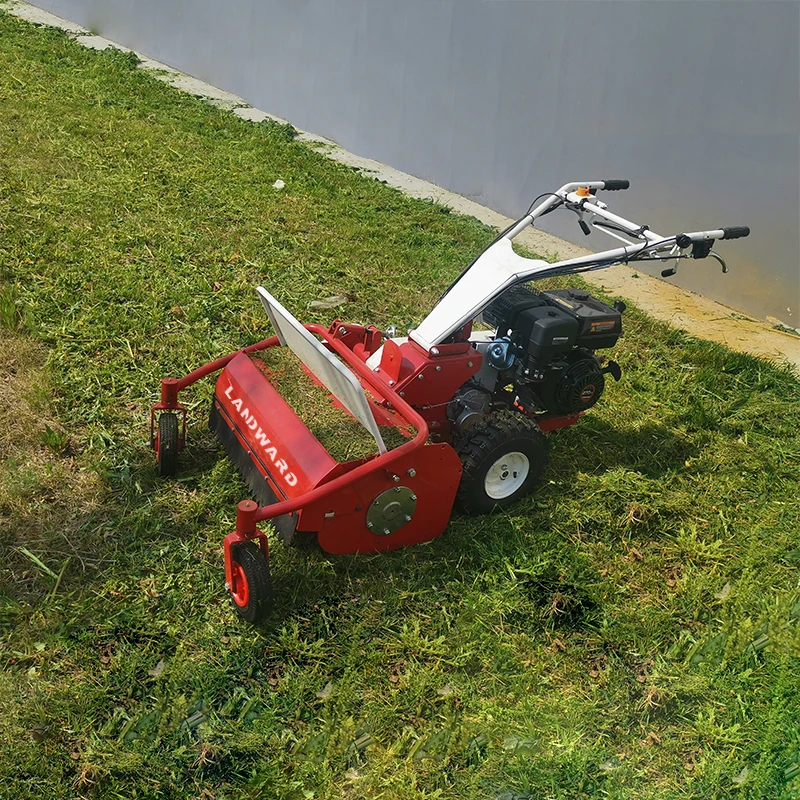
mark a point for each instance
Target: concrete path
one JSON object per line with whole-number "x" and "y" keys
{"x": 694, "y": 313}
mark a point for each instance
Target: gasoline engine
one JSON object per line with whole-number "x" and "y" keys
{"x": 541, "y": 355}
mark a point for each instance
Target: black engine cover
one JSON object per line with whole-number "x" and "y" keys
{"x": 518, "y": 311}
{"x": 600, "y": 325}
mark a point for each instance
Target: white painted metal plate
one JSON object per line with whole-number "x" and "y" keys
{"x": 338, "y": 379}
{"x": 495, "y": 269}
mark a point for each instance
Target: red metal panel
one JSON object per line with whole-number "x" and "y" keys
{"x": 293, "y": 456}
{"x": 432, "y": 380}
{"x": 435, "y": 474}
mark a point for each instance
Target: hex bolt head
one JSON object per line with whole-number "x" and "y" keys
{"x": 411, "y": 472}
{"x": 397, "y": 488}
{"x": 408, "y": 519}
{"x": 375, "y": 502}
{"x": 469, "y": 363}
{"x": 414, "y": 498}
{"x": 342, "y": 329}
{"x": 396, "y": 479}
{"x": 370, "y": 525}
{"x": 386, "y": 531}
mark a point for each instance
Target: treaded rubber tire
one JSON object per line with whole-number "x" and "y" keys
{"x": 167, "y": 444}
{"x": 502, "y": 433}
{"x": 254, "y": 604}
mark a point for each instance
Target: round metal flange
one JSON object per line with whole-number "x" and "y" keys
{"x": 390, "y": 510}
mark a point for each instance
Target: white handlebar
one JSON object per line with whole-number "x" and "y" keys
{"x": 498, "y": 267}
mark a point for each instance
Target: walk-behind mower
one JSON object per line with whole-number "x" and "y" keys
{"x": 473, "y": 389}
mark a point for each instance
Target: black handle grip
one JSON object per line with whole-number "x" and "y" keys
{"x": 737, "y": 232}
{"x": 615, "y": 186}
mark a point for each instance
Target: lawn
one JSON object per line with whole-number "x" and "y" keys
{"x": 630, "y": 631}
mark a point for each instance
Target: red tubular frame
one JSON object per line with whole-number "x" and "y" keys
{"x": 251, "y": 517}
{"x": 248, "y": 515}
{"x": 171, "y": 386}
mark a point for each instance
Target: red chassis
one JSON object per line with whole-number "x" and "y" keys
{"x": 389, "y": 500}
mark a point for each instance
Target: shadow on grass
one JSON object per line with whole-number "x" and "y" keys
{"x": 144, "y": 514}
{"x": 595, "y": 446}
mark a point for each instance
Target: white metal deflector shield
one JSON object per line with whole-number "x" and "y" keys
{"x": 339, "y": 380}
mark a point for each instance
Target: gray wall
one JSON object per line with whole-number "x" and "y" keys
{"x": 697, "y": 103}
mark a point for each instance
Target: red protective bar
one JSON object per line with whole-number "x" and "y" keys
{"x": 221, "y": 363}
{"x": 381, "y": 462}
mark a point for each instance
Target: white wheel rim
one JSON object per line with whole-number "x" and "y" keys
{"x": 506, "y": 475}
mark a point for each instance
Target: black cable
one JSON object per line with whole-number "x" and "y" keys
{"x": 537, "y": 199}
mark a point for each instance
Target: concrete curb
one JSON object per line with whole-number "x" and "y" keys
{"x": 692, "y": 312}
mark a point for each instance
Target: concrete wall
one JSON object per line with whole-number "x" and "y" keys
{"x": 697, "y": 103}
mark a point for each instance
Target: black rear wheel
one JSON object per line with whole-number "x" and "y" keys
{"x": 167, "y": 444}
{"x": 251, "y": 586}
{"x": 502, "y": 461}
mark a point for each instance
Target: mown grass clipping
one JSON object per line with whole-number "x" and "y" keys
{"x": 631, "y": 630}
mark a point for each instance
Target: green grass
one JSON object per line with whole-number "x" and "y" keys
{"x": 629, "y": 631}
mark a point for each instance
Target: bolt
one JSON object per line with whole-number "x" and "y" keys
{"x": 411, "y": 472}
{"x": 414, "y": 498}
{"x": 438, "y": 368}
{"x": 396, "y": 479}
{"x": 386, "y": 531}
{"x": 408, "y": 519}
{"x": 377, "y": 369}
{"x": 374, "y": 502}
{"x": 434, "y": 351}
{"x": 370, "y": 525}
{"x": 227, "y": 586}
{"x": 420, "y": 377}
{"x": 402, "y": 394}
{"x": 469, "y": 363}
{"x": 342, "y": 330}
{"x": 391, "y": 383}
{"x": 397, "y": 488}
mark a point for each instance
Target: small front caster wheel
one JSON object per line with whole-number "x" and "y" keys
{"x": 502, "y": 461}
{"x": 167, "y": 444}
{"x": 251, "y": 587}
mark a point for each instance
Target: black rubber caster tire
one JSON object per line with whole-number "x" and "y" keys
{"x": 251, "y": 590}
{"x": 167, "y": 444}
{"x": 502, "y": 461}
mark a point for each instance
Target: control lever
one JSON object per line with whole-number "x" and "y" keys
{"x": 721, "y": 260}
